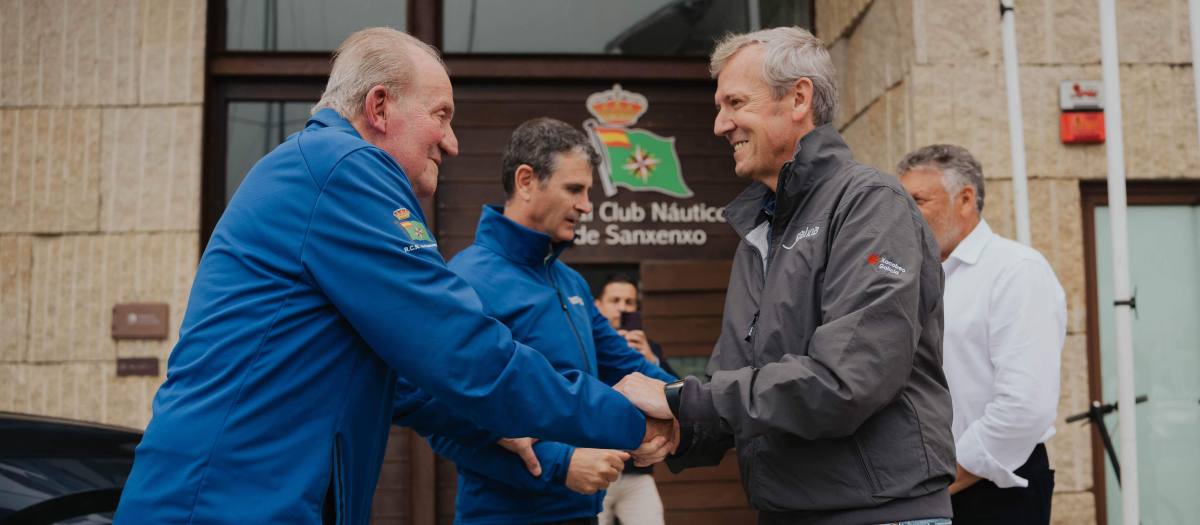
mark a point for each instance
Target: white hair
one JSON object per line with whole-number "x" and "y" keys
{"x": 789, "y": 54}
{"x": 375, "y": 56}
{"x": 958, "y": 167}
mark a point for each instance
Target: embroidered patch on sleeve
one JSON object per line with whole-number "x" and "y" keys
{"x": 882, "y": 263}
{"x": 416, "y": 231}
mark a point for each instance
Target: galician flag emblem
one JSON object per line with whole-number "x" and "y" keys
{"x": 631, "y": 158}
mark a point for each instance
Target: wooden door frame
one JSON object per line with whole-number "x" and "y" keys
{"x": 1094, "y": 193}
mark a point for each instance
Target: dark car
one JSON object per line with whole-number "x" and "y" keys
{"x": 62, "y": 471}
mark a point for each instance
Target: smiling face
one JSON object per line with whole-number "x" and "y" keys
{"x": 762, "y": 130}
{"x": 420, "y": 136}
{"x": 555, "y": 207}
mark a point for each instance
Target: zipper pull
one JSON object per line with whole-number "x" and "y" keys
{"x": 752, "y": 323}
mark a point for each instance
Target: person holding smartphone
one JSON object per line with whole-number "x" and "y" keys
{"x": 633, "y": 498}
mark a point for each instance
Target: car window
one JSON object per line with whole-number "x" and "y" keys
{"x": 25, "y": 482}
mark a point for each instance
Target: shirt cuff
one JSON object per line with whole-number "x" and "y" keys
{"x": 696, "y": 403}
{"x": 975, "y": 458}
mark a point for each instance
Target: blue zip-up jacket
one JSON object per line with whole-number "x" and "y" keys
{"x": 549, "y": 306}
{"x": 319, "y": 287}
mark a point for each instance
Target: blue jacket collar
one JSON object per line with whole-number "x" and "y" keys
{"x": 328, "y": 118}
{"x": 513, "y": 241}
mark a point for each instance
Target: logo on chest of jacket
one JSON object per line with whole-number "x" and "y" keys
{"x": 576, "y": 300}
{"x": 806, "y": 233}
{"x": 884, "y": 264}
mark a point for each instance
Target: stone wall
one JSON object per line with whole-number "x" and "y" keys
{"x": 918, "y": 72}
{"x": 100, "y": 129}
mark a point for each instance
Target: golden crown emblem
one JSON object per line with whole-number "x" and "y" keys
{"x": 617, "y": 106}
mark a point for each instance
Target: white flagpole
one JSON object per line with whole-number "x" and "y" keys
{"x": 1016, "y": 126}
{"x": 1115, "y": 148}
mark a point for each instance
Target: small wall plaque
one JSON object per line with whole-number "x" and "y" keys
{"x": 137, "y": 366}
{"x": 140, "y": 321}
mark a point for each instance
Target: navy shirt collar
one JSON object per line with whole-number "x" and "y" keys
{"x": 768, "y": 205}
{"x": 513, "y": 241}
{"x": 328, "y": 118}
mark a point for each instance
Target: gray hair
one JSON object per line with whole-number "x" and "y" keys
{"x": 957, "y": 166}
{"x": 371, "y": 57}
{"x": 789, "y": 54}
{"x": 538, "y": 143}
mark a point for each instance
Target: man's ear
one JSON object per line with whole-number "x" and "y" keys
{"x": 523, "y": 182}
{"x": 802, "y": 99}
{"x": 375, "y": 109}
{"x": 965, "y": 202}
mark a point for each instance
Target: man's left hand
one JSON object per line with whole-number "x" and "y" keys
{"x": 524, "y": 447}
{"x": 637, "y": 341}
{"x": 647, "y": 394}
{"x": 963, "y": 480}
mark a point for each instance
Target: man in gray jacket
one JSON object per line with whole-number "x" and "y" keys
{"x": 827, "y": 376}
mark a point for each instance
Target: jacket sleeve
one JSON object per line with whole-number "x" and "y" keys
{"x": 502, "y": 465}
{"x": 860, "y": 358}
{"x": 425, "y": 322}
{"x": 424, "y": 414}
{"x": 615, "y": 359}
{"x": 1027, "y": 326}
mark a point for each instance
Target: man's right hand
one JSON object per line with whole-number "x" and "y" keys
{"x": 662, "y": 438}
{"x": 593, "y": 469}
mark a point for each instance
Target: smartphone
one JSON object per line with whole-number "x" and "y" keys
{"x": 631, "y": 320}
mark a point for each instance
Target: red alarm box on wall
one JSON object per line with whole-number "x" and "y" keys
{"x": 1082, "y": 127}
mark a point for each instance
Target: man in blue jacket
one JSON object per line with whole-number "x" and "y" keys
{"x": 513, "y": 265}
{"x": 320, "y": 284}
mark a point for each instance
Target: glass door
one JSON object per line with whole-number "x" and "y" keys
{"x": 1164, "y": 262}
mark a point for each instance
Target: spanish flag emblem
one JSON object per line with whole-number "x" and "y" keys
{"x": 614, "y": 137}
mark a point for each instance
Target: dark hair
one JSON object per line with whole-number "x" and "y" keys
{"x": 537, "y": 143}
{"x": 614, "y": 278}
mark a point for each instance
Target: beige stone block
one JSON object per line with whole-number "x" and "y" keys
{"x": 1159, "y": 121}
{"x": 150, "y": 169}
{"x": 962, "y": 32}
{"x": 1153, "y": 31}
{"x": 965, "y": 106}
{"x": 878, "y": 54}
{"x": 837, "y": 55}
{"x": 1075, "y": 508}
{"x": 1032, "y": 26}
{"x": 1074, "y": 37}
{"x": 9, "y": 385}
{"x": 835, "y": 17}
{"x": 49, "y": 170}
{"x": 82, "y": 399}
{"x": 1070, "y": 450}
{"x": 16, "y": 260}
{"x": 172, "y": 67}
{"x": 998, "y": 207}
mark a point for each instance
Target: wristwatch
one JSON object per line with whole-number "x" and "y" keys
{"x": 672, "y": 391}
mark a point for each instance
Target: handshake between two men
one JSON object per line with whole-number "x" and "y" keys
{"x": 592, "y": 470}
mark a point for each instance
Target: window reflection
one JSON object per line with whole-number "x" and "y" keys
{"x": 629, "y": 27}
{"x": 255, "y": 129}
{"x": 305, "y": 25}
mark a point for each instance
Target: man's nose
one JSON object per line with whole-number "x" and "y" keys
{"x": 585, "y": 206}
{"x": 723, "y": 124}
{"x": 449, "y": 143}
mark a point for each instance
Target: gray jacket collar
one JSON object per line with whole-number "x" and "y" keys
{"x": 818, "y": 155}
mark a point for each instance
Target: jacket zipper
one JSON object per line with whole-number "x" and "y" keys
{"x": 558, "y": 293}
{"x": 750, "y": 334}
{"x": 337, "y": 477}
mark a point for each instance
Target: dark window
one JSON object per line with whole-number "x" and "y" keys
{"x": 620, "y": 27}
{"x": 305, "y": 25}
{"x": 254, "y": 130}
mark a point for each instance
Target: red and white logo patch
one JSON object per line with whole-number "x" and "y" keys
{"x": 882, "y": 263}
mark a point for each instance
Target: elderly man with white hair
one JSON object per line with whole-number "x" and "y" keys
{"x": 827, "y": 376}
{"x": 1006, "y": 320}
{"x": 320, "y": 291}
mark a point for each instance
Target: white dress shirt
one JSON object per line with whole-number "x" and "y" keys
{"x": 1006, "y": 318}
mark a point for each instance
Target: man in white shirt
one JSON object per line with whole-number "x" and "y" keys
{"x": 1005, "y": 322}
